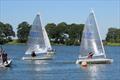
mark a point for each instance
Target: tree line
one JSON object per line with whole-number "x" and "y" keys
{"x": 61, "y": 33}
{"x": 6, "y": 33}
{"x": 113, "y": 35}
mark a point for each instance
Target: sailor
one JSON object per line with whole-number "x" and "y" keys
{"x": 0, "y": 52}
{"x": 33, "y": 54}
{"x": 3, "y": 57}
{"x": 5, "y": 54}
{"x": 90, "y": 55}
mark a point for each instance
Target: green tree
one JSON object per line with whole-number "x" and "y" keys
{"x": 61, "y": 30}
{"x": 23, "y": 31}
{"x": 6, "y": 33}
{"x": 51, "y": 30}
{"x": 75, "y": 33}
{"x": 113, "y": 35}
{"x": 58, "y": 33}
{"x": 2, "y": 39}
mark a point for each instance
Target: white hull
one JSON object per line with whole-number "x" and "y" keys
{"x": 47, "y": 56}
{"x": 95, "y": 61}
{"x": 6, "y": 64}
{"x": 37, "y": 58}
{"x": 38, "y": 42}
{"x": 51, "y": 53}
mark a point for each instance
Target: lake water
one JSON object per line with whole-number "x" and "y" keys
{"x": 61, "y": 67}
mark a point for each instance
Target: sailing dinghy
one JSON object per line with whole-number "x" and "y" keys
{"x": 91, "y": 43}
{"x": 6, "y": 64}
{"x": 38, "y": 42}
{"x": 4, "y": 56}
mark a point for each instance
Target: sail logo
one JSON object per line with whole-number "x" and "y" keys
{"x": 88, "y": 35}
{"x": 34, "y": 34}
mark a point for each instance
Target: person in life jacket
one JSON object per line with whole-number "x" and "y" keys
{"x": 33, "y": 54}
{"x": 90, "y": 55}
{"x": 4, "y": 57}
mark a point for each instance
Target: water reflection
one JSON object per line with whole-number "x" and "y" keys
{"x": 37, "y": 65}
{"x": 40, "y": 62}
{"x": 93, "y": 71}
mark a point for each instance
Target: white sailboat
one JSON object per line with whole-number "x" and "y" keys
{"x": 91, "y": 43}
{"x": 38, "y": 42}
{"x": 6, "y": 64}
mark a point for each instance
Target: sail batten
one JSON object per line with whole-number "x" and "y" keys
{"x": 91, "y": 41}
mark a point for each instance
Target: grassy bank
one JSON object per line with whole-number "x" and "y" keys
{"x": 106, "y": 43}
{"x": 112, "y": 44}
{"x": 14, "y": 42}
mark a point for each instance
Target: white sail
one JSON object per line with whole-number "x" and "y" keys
{"x": 36, "y": 41}
{"x": 91, "y": 41}
{"x": 47, "y": 41}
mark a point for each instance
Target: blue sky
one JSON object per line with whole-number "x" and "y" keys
{"x": 69, "y": 11}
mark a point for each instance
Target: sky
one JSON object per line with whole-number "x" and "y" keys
{"x": 55, "y": 11}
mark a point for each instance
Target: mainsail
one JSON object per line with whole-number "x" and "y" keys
{"x": 91, "y": 41}
{"x": 36, "y": 40}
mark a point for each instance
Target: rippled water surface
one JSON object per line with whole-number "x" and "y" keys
{"x": 62, "y": 67}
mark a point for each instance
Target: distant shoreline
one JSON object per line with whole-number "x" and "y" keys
{"x": 15, "y": 42}
{"x": 112, "y": 44}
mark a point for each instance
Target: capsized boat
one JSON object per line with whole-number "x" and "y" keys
{"x": 38, "y": 42}
{"x": 91, "y": 43}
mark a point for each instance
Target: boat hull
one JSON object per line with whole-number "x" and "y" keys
{"x": 36, "y": 58}
{"x": 95, "y": 61}
{"x": 41, "y": 56}
{"x": 51, "y": 53}
{"x": 6, "y": 64}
